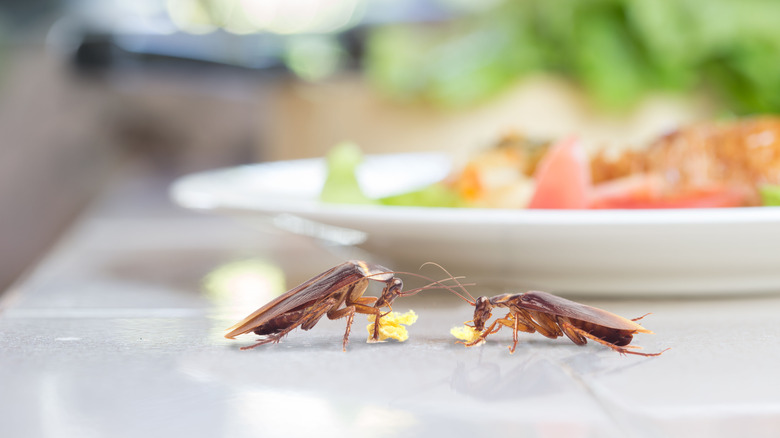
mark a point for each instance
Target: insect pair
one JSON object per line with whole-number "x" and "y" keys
{"x": 338, "y": 293}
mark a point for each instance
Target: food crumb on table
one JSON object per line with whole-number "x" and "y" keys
{"x": 393, "y": 325}
{"x": 465, "y": 333}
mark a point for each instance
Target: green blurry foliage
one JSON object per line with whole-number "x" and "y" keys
{"x": 616, "y": 50}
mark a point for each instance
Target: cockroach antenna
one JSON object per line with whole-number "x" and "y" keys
{"x": 458, "y": 284}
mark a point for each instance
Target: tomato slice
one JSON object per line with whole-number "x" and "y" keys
{"x": 563, "y": 182}
{"x": 647, "y": 191}
{"x": 562, "y": 177}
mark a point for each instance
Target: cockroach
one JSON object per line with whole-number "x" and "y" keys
{"x": 325, "y": 294}
{"x": 553, "y": 317}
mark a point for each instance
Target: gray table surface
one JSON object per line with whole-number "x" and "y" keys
{"x": 119, "y": 332}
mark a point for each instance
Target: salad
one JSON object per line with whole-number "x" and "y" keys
{"x": 706, "y": 165}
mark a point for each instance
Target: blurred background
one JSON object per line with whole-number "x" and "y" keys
{"x": 93, "y": 89}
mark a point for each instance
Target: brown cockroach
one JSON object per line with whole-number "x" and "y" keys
{"x": 553, "y": 317}
{"x": 325, "y": 294}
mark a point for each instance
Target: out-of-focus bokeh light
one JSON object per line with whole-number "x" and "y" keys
{"x": 192, "y": 16}
{"x": 314, "y": 58}
{"x": 254, "y": 16}
{"x": 244, "y": 284}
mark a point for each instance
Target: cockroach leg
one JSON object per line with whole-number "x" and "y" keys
{"x": 514, "y": 337}
{"x": 546, "y": 325}
{"x": 316, "y": 312}
{"x": 349, "y": 313}
{"x": 518, "y": 323}
{"x": 493, "y": 328}
{"x": 350, "y": 319}
{"x": 575, "y": 334}
{"x": 309, "y": 319}
{"x": 620, "y": 349}
{"x": 270, "y": 339}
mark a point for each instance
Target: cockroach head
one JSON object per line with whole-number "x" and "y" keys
{"x": 390, "y": 292}
{"x": 482, "y": 312}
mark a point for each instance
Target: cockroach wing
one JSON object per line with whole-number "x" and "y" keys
{"x": 311, "y": 290}
{"x": 555, "y": 305}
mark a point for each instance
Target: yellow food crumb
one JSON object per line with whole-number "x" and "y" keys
{"x": 392, "y": 325}
{"x": 465, "y": 333}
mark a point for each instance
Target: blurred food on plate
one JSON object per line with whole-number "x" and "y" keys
{"x": 732, "y": 158}
{"x": 732, "y": 163}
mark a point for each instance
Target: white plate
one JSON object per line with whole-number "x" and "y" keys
{"x": 599, "y": 253}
